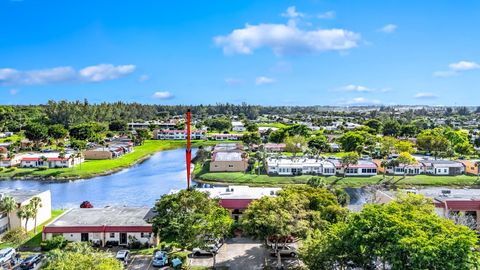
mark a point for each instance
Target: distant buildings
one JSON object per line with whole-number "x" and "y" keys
{"x": 228, "y": 157}
{"x": 225, "y": 137}
{"x": 238, "y": 126}
{"x": 50, "y": 160}
{"x": 156, "y": 124}
{"x": 23, "y": 197}
{"x": 166, "y": 134}
{"x": 104, "y": 226}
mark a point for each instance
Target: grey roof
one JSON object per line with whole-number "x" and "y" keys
{"x": 20, "y": 195}
{"x": 226, "y": 147}
{"x": 228, "y": 156}
{"x": 109, "y": 216}
{"x": 450, "y": 163}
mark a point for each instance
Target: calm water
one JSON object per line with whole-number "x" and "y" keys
{"x": 140, "y": 185}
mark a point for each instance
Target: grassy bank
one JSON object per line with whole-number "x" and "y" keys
{"x": 92, "y": 168}
{"x": 238, "y": 178}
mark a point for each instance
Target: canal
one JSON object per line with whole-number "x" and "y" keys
{"x": 140, "y": 185}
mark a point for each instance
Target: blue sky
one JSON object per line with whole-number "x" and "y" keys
{"x": 269, "y": 52}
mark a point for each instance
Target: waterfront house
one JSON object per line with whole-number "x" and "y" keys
{"x": 23, "y": 197}
{"x": 11, "y": 162}
{"x": 231, "y": 161}
{"x": 166, "y": 134}
{"x": 471, "y": 167}
{"x": 50, "y": 160}
{"x": 362, "y": 168}
{"x": 299, "y": 166}
{"x": 413, "y": 169}
{"x": 443, "y": 167}
{"x": 104, "y": 226}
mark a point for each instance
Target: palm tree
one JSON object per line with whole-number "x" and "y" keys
{"x": 25, "y": 212}
{"x": 10, "y": 155}
{"x": 8, "y": 205}
{"x": 384, "y": 165}
{"x": 35, "y": 204}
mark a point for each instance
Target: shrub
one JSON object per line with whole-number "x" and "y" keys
{"x": 42, "y": 168}
{"x": 1, "y": 169}
{"x": 56, "y": 242}
{"x": 15, "y": 236}
{"x": 86, "y": 204}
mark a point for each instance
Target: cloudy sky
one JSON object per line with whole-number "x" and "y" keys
{"x": 270, "y": 52}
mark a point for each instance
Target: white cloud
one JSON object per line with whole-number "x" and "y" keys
{"x": 356, "y": 88}
{"x": 14, "y": 91}
{"x": 286, "y": 39}
{"x": 425, "y": 95}
{"x": 163, "y": 95}
{"x": 457, "y": 68}
{"x": 143, "y": 77}
{"x": 233, "y": 81}
{"x": 463, "y": 66}
{"x": 105, "y": 72}
{"x": 327, "y": 15}
{"x": 292, "y": 13}
{"x": 360, "y": 101}
{"x": 102, "y": 72}
{"x": 262, "y": 80}
{"x": 389, "y": 28}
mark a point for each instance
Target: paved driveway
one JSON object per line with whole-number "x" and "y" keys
{"x": 241, "y": 254}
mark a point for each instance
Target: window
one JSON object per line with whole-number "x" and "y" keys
{"x": 145, "y": 235}
{"x": 3, "y": 228}
{"x": 112, "y": 235}
{"x": 230, "y": 165}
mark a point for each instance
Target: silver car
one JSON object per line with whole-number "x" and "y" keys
{"x": 287, "y": 251}
{"x": 6, "y": 255}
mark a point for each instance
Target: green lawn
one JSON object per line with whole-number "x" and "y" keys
{"x": 34, "y": 240}
{"x": 239, "y": 178}
{"x": 276, "y": 125}
{"x": 91, "y": 168}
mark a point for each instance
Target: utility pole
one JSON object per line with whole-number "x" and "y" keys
{"x": 189, "y": 150}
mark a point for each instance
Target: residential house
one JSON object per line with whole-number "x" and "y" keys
{"x": 113, "y": 150}
{"x": 299, "y": 166}
{"x": 274, "y": 147}
{"x": 23, "y": 197}
{"x": 104, "y": 226}
{"x": 362, "y": 168}
{"x": 413, "y": 169}
{"x": 232, "y": 161}
{"x": 238, "y": 126}
{"x": 50, "y": 160}
{"x": 11, "y": 162}
{"x": 443, "y": 167}
{"x": 237, "y": 198}
{"x": 166, "y": 134}
{"x": 225, "y": 137}
{"x": 460, "y": 205}
{"x": 471, "y": 167}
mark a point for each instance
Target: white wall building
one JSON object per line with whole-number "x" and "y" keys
{"x": 179, "y": 134}
{"x": 238, "y": 126}
{"x": 301, "y": 165}
{"x": 23, "y": 197}
{"x": 113, "y": 225}
{"x": 50, "y": 160}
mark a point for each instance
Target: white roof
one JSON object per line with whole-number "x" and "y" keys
{"x": 300, "y": 162}
{"x": 228, "y": 156}
{"x": 240, "y": 192}
{"x": 237, "y": 123}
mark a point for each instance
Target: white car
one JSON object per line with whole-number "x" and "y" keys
{"x": 6, "y": 255}
{"x": 208, "y": 250}
{"x": 123, "y": 256}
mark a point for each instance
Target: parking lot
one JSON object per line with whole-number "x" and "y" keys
{"x": 235, "y": 254}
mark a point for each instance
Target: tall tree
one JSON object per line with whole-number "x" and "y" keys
{"x": 57, "y": 132}
{"x": 348, "y": 160}
{"x": 295, "y": 144}
{"x": 8, "y": 205}
{"x": 36, "y": 132}
{"x": 35, "y": 204}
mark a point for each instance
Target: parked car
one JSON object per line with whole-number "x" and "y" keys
{"x": 272, "y": 239}
{"x": 285, "y": 251}
{"x": 123, "y": 256}
{"x": 160, "y": 259}
{"x": 6, "y": 255}
{"x": 208, "y": 250}
{"x": 31, "y": 261}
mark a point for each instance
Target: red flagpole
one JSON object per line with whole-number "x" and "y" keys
{"x": 189, "y": 150}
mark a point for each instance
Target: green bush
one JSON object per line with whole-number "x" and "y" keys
{"x": 12, "y": 169}
{"x": 42, "y": 168}
{"x": 1, "y": 169}
{"x": 15, "y": 236}
{"x": 56, "y": 242}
